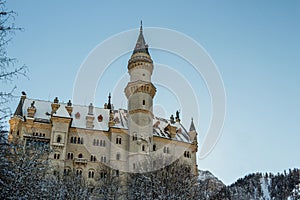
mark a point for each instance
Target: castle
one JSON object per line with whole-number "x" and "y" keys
{"x": 84, "y": 137}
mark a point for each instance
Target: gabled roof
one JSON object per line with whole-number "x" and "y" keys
{"x": 62, "y": 112}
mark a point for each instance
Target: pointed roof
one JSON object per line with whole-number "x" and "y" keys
{"x": 192, "y": 126}
{"x": 109, "y": 103}
{"x": 19, "y": 110}
{"x": 141, "y": 46}
{"x": 62, "y": 112}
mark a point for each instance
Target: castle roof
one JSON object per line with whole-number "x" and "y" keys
{"x": 101, "y": 118}
{"x": 141, "y": 46}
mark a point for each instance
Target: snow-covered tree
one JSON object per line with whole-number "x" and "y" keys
{"x": 23, "y": 170}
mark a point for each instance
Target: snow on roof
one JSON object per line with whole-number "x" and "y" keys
{"x": 61, "y": 112}
{"x": 101, "y": 119}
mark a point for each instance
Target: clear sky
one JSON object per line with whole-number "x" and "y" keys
{"x": 255, "y": 45}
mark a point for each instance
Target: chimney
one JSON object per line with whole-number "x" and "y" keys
{"x": 90, "y": 117}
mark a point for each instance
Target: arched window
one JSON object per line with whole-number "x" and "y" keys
{"x": 71, "y": 140}
{"x": 67, "y": 171}
{"x": 144, "y": 102}
{"x": 58, "y": 139}
{"x": 154, "y": 147}
{"x": 117, "y": 173}
{"x": 78, "y": 140}
{"x": 70, "y": 156}
{"x": 101, "y": 143}
{"x": 97, "y": 142}
{"x": 78, "y": 172}
{"x": 81, "y": 141}
{"x": 80, "y": 155}
{"x": 94, "y": 142}
{"x": 91, "y": 174}
{"x": 118, "y": 156}
{"x": 103, "y": 159}
{"x": 166, "y": 150}
{"x": 104, "y": 143}
{"x": 102, "y": 175}
{"x": 118, "y": 140}
{"x": 143, "y": 148}
{"x": 56, "y": 156}
{"x": 134, "y": 137}
{"x": 74, "y": 141}
{"x": 93, "y": 158}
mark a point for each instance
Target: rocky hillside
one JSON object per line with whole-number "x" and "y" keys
{"x": 253, "y": 186}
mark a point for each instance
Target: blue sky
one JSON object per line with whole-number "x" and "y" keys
{"x": 255, "y": 45}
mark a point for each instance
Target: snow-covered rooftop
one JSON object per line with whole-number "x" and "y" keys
{"x": 101, "y": 118}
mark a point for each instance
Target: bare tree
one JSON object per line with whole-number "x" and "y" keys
{"x": 8, "y": 69}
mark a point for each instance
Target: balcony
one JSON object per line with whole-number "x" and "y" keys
{"x": 80, "y": 161}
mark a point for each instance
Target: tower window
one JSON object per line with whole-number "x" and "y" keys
{"x": 118, "y": 140}
{"x": 154, "y": 147}
{"x": 118, "y": 156}
{"x": 134, "y": 137}
{"x": 80, "y": 155}
{"x": 143, "y": 148}
{"x": 58, "y": 139}
{"x": 144, "y": 102}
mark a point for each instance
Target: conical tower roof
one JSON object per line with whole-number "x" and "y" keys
{"x": 141, "y": 46}
{"x": 192, "y": 126}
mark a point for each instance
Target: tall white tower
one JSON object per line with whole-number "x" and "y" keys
{"x": 140, "y": 93}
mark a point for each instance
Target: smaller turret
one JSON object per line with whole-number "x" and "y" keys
{"x": 55, "y": 105}
{"x": 31, "y": 110}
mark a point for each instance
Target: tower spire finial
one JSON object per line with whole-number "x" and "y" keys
{"x": 109, "y": 103}
{"x": 141, "y": 26}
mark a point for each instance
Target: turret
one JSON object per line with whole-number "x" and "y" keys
{"x": 140, "y": 93}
